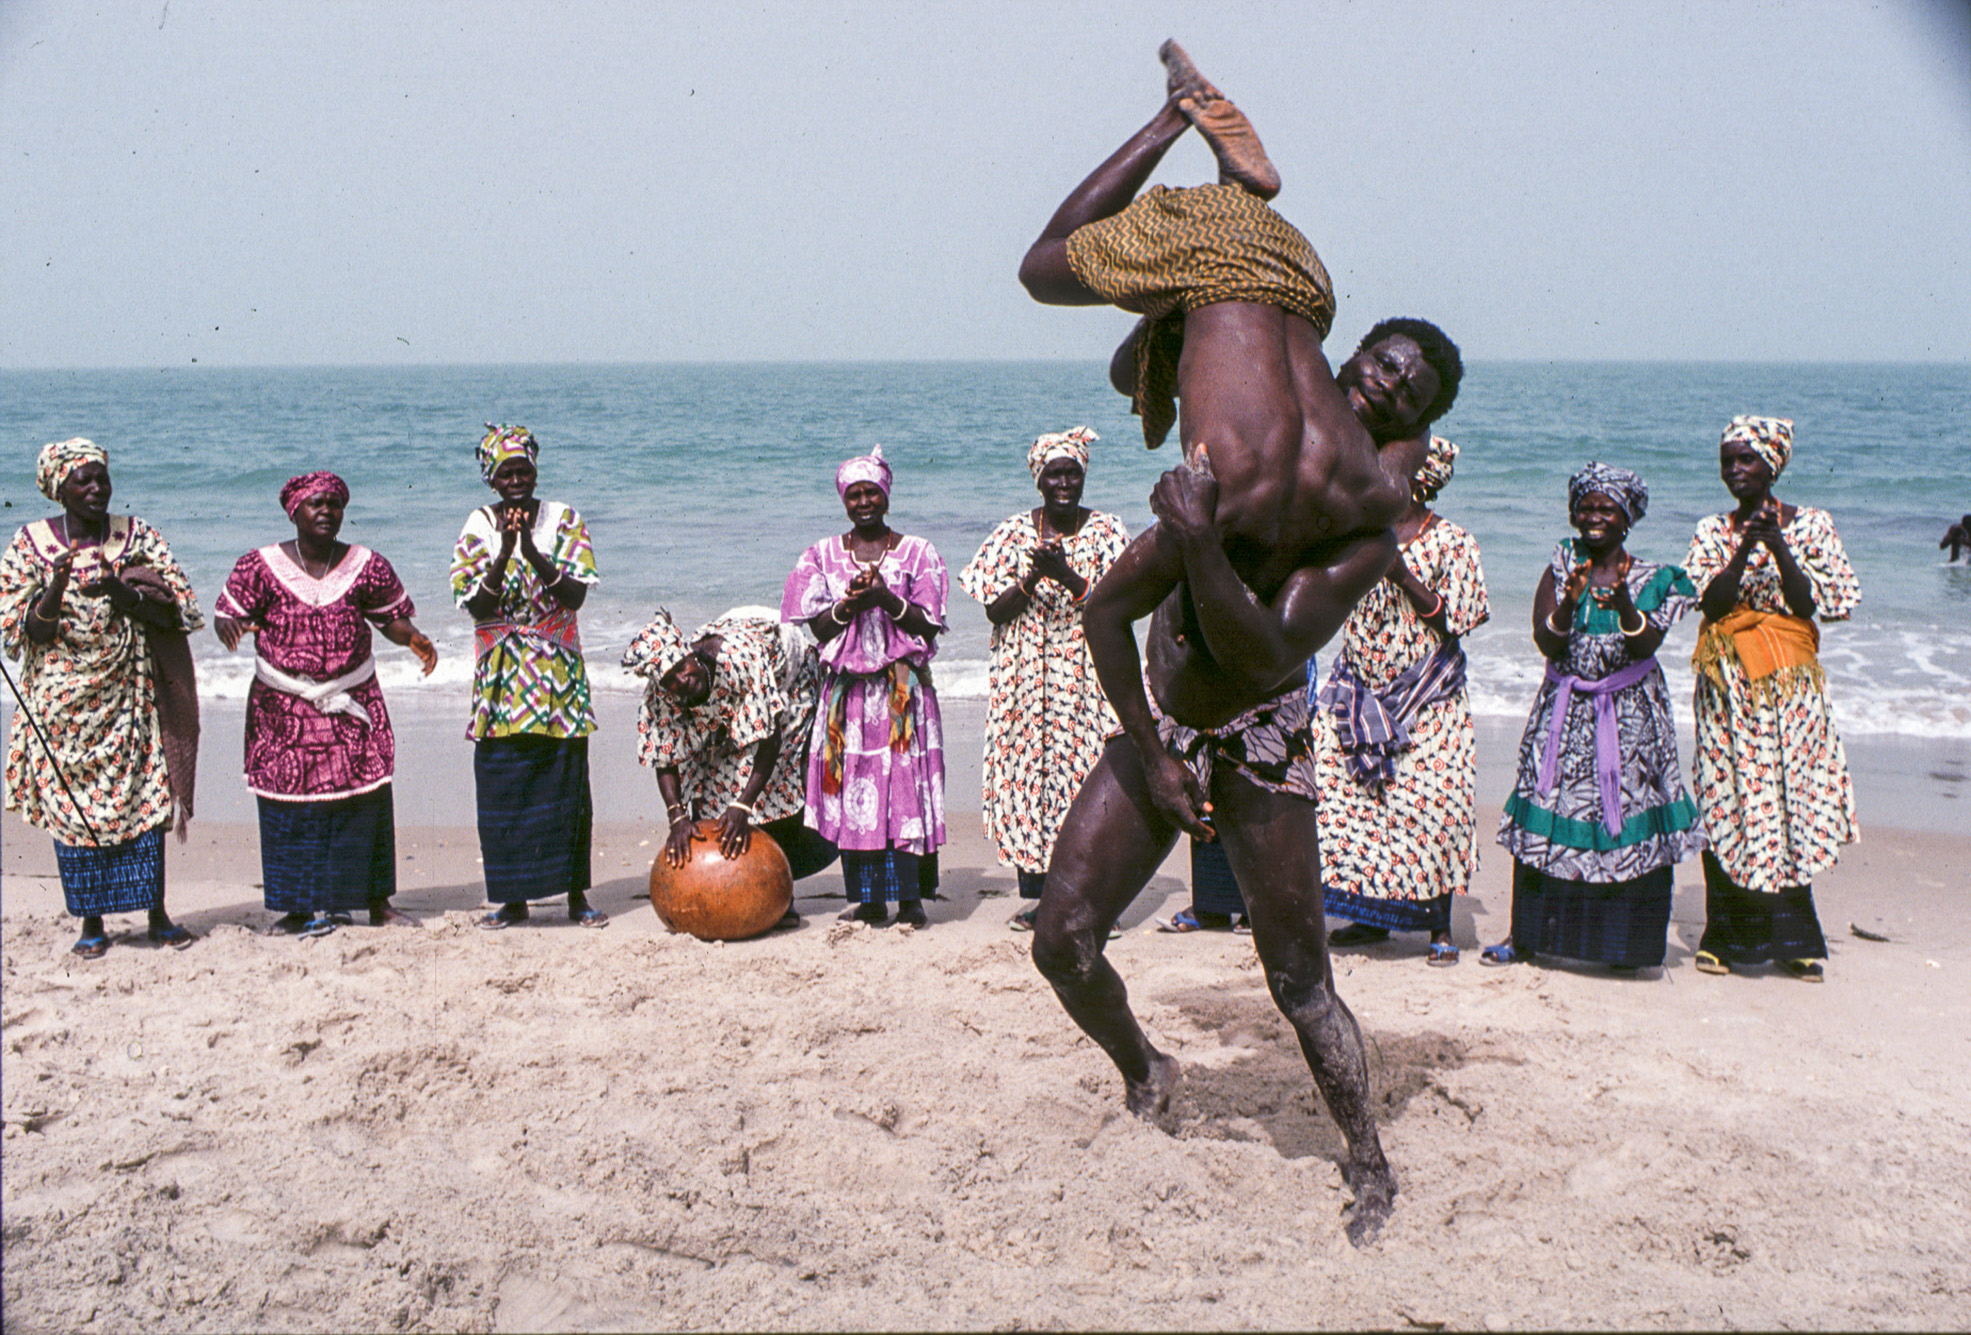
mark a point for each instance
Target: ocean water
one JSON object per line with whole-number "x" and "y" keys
{"x": 702, "y": 483}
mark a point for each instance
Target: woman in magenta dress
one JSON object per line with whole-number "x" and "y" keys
{"x": 319, "y": 750}
{"x": 876, "y": 601}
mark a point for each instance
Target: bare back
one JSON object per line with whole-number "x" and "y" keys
{"x": 1296, "y": 471}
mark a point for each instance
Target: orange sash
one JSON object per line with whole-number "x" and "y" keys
{"x": 1765, "y": 645}
{"x": 1769, "y": 641}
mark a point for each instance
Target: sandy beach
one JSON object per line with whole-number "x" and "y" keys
{"x": 838, "y": 1127}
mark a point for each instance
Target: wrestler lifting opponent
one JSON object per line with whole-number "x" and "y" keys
{"x": 1276, "y": 526}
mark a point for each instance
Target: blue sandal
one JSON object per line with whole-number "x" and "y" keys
{"x": 91, "y": 947}
{"x": 1503, "y": 953}
{"x": 172, "y": 935}
{"x": 1442, "y": 955}
{"x": 1189, "y": 920}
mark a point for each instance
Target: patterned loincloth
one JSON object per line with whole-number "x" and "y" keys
{"x": 1172, "y": 251}
{"x": 1272, "y": 745}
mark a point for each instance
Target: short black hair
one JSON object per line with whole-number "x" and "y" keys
{"x": 1438, "y": 350}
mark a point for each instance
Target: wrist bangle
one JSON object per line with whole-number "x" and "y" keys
{"x": 1641, "y": 629}
{"x": 835, "y": 615}
{"x": 737, "y": 805}
{"x": 1552, "y": 629}
{"x": 1436, "y": 607}
{"x": 903, "y": 609}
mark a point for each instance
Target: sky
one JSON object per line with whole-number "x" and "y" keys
{"x": 303, "y": 182}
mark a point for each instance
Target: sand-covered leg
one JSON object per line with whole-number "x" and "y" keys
{"x": 1109, "y": 846}
{"x": 1270, "y": 841}
{"x": 1242, "y": 160}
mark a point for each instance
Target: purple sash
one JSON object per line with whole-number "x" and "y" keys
{"x": 1608, "y": 745}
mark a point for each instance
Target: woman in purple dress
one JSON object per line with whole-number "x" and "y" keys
{"x": 876, "y": 601}
{"x": 319, "y": 750}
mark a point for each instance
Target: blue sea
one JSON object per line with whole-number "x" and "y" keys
{"x": 702, "y": 483}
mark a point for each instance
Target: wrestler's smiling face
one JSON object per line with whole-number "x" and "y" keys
{"x": 1389, "y": 386}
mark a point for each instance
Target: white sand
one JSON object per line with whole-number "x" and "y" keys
{"x": 549, "y": 1128}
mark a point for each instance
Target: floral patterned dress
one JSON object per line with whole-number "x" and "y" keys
{"x": 1771, "y": 776}
{"x": 757, "y": 693}
{"x": 1386, "y": 853}
{"x": 1046, "y": 715}
{"x": 92, "y": 689}
{"x": 1563, "y": 832}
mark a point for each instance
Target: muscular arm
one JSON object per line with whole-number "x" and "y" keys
{"x": 1142, "y": 577}
{"x": 1261, "y": 645}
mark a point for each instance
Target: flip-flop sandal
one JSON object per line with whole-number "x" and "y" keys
{"x": 1501, "y": 954}
{"x": 1023, "y": 920}
{"x": 1706, "y": 962}
{"x": 590, "y": 917}
{"x": 1807, "y": 971}
{"x": 1242, "y": 926}
{"x": 1187, "y": 920}
{"x": 1442, "y": 955}
{"x": 317, "y": 928}
{"x": 498, "y": 921}
{"x": 288, "y": 924}
{"x": 91, "y": 947}
{"x": 174, "y": 936}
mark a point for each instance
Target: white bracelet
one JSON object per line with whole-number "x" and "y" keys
{"x": 737, "y": 804}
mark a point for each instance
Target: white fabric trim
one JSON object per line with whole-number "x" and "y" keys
{"x": 316, "y": 592}
{"x": 328, "y": 697}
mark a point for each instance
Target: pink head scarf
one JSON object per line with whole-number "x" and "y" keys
{"x": 308, "y": 485}
{"x": 870, "y": 467}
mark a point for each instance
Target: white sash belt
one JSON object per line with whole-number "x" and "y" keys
{"x": 328, "y": 697}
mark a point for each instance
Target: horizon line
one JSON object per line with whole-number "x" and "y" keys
{"x": 195, "y": 364}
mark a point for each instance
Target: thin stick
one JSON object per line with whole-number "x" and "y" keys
{"x": 54, "y": 764}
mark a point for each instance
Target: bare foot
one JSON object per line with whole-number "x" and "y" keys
{"x": 1242, "y": 161}
{"x": 1151, "y": 1099}
{"x": 1181, "y": 77}
{"x": 1375, "y": 1198}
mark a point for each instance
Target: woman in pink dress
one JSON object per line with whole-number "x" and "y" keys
{"x": 319, "y": 750}
{"x": 876, "y": 601}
